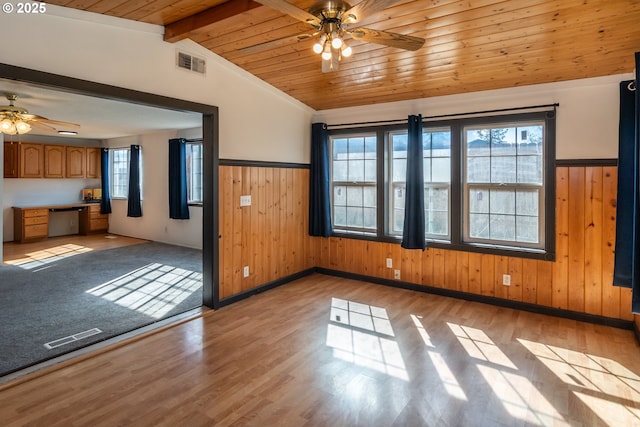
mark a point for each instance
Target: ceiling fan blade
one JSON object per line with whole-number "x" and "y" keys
{"x": 275, "y": 43}
{"x": 42, "y": 126}
{"x": 387, "y": 38}
{"x": 291, "y": 10}
{"x": 357, "y": 12}
{"x": 32, "y": 118}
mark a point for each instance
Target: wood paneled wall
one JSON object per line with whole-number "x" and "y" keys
{"x": 579, "y": 280}
{"x": 270, "y": 236}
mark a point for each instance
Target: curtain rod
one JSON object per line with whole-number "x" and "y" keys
{"x": 450, "y": 115}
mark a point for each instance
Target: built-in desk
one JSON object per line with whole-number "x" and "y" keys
{"x": 32, "y": 223}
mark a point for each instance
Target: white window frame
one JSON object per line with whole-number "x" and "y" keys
{"x": 481, "y": 188}
{"x": 194, "y": 173}
{"x": 119, "y": 181}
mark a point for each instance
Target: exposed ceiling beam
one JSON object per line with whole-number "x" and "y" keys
{"x": 181, "y": 29}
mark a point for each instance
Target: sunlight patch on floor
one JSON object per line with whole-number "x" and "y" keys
{"x": 479, "y": 346}
{"x": 48, "y": 256}
{"x": 362, "y": 334}
{"x": 520, "y": 398}
{"x": 154, "y": 289}
{"x": 604, "y": 385}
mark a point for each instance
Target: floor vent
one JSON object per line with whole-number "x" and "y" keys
{"x": 192, "y": 63}
{"x": 72, "y": 338}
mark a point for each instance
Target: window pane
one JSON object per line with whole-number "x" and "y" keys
{"x": 119, "y": 172}
{"x": 527, "y": 202}
{"x": 502, "y": 201}
{"x": 369, "y": 196}
{"x": 503, "y": 169}
{"x": 340, "y": 195}
{"x": 477, "y": 142}
{"x": 399, "y": 170}
{"x": 354, "y": 217}
{"x": 354, "y": 196}
{"x": 479, "y": 226}
{"x": 527, "y": 229}
{"x": 503, "y": 227}
{"x": 529, "y": 139}
{"x": 340, "y": 170}
{"x": 441, "y": 171}
{"x": 530, "y": 169}
{"x": 437, "y": 223}
{"x": 356, "y": 170}
{"x": 503, "y": 141}
{"x": 478, "y": 169}
{"x": 479, "y": 201}
{"x": 340, "y": 216}
{"x": 441, "y": 144}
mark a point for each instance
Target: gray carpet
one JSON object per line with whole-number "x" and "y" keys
{"x": 116, "y": 291}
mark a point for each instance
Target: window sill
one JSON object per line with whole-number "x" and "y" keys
{"x": 527, "y": 253}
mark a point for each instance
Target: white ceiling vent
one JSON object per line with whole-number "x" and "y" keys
{"x": 190, "y": 62}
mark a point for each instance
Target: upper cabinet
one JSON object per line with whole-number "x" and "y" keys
{"x": 31, "y": 160}
{"x": 76, "y": 162}
{"x": 11, "y": 159}
{"x": 34, "y": 160}
{"x": 54, "y": 161}
{"x": 93, "y": 162}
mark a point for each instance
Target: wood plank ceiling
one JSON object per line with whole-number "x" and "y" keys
{"x": 470, "y": 45}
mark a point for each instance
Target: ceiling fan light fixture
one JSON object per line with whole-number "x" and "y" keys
{"x": 346, "y": 50}
{"x": 336, "y": 41}
{"x": 326, "y": 53}
{"x": 22, "y": 127}
{"x": 8, "y": 126}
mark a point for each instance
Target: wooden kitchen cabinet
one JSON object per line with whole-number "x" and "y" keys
{"x": 93, "y": 162}
{"x": 30, "y": 224}
{"x": 76, "y": 162}
{"x": 54, "y": 161}
{"x": 92, "y": 221}
{"x": 11, "y": 166}
{"x": 31, "y": 160}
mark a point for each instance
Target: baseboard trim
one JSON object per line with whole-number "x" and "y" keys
{"x": 265, "y": 287}
{"x": 518, "y": 305}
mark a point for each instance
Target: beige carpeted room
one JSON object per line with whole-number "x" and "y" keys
{"x": 509, "y": 116}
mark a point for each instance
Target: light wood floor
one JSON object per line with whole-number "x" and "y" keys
{"x": 17, "y": 253}
{"x": 325, "y": 351}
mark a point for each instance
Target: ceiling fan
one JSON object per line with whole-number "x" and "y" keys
{"x": 18, "y": 120}
{"x": 332, "y": 21}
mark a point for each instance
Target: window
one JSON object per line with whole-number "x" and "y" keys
{"x": 194, "y": 172}
{"x": 504, "y": 172}
{"x": 436, "y": 164}
{"x": 353, "y": 166}
{"x": 119, "y": 163}
{"x": 119, "y": 159}
{"x": 489, "y": 183}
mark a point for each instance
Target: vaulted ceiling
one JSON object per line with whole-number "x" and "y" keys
{"x": 469, "y": 45}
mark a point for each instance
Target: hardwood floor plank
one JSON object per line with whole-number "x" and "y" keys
{"x": 330, "y": 351}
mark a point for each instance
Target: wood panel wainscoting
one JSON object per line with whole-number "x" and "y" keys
{"x": 580, "y": 279}
{"x": 270, "y": 236}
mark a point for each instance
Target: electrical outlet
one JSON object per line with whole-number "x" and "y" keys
{"x": 396, "y": 274}
{"x": 245, "y": 200}
{"x": 245, "y": 271}
{"x": 506, "y": 279}
{"x": 389, "y": 263}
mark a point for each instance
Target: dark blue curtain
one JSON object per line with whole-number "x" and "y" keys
{"x": 319, "y": 200}
{"x": 134, "y": 207}
{"x": 105, "y": 202}
{"x": 627, "y": 249}
{"x": 413, "y": 233}
{"x": 178, "y": 203}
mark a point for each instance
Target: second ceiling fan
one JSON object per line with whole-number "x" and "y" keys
{"x": 332, "y": 20}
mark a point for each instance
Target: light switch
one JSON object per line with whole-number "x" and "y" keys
{"x": 245, "y": 200}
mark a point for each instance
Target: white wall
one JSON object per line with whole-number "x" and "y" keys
{"x": 257, "y": 121}
{"x": 155, "y": 223}
{"x": 587, "y": 121}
